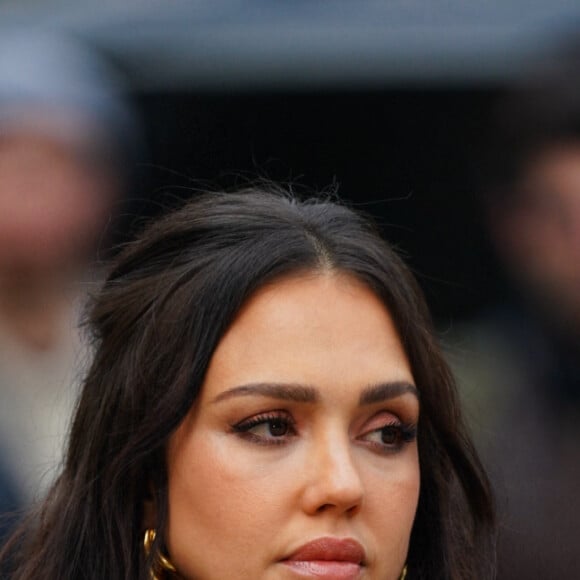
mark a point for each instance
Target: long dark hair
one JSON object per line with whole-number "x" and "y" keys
{"x": 168, "y": 300}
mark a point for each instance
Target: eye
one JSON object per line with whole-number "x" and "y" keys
{"x": 390, "y": 437}
{"x": 272, "y": 428}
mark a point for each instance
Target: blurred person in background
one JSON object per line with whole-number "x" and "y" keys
{"x": 65, "y": 134}
{"x": 520, "y": 364}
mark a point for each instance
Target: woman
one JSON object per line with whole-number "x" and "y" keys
{"x": 267, "y": 401}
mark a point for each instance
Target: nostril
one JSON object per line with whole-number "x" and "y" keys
{"x": 324, "y": 508}
{"x": 354, "y": 509}
{"x": 351, "y": 510}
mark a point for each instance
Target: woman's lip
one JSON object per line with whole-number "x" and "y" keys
{"x": 325, "y": 569}
{"x": 340, "y": 550}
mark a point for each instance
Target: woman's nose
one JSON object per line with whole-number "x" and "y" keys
{"x": 333, "y": 481}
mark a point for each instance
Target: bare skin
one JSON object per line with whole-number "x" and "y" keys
{"x": 304, "y": 431}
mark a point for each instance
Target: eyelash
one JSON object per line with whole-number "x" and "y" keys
{"x": 243, "y": 428}
{"x": 404, "y": 432}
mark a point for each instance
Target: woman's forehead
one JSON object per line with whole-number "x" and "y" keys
{"x": 314, "y": 329}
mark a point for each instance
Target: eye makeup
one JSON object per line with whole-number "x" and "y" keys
{"x": 270, "y": 428}
{"x": 391, "y": 437}
{"x": 384, "y": 433}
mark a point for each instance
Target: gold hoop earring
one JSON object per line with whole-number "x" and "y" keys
{"x": 403, "y": 573}
{"x": 160, "y": 562}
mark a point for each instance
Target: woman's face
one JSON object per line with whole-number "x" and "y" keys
{"x": 299, "y": 460}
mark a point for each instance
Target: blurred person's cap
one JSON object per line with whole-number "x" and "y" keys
{"x": 57, "y": 86}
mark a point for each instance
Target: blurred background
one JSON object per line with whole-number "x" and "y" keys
{"x": 443, "y": 119}
{"x": 391, "y": 101}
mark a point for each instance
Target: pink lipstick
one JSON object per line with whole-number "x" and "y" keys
{"x": 328, "y": 559}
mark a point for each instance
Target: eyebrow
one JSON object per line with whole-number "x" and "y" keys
{"x": 284, "y": 391}
{"x": 307, "y": 394}
{"x": 385, "y": 391}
